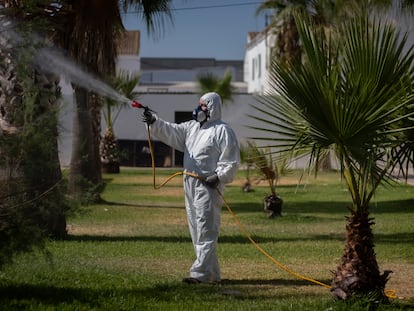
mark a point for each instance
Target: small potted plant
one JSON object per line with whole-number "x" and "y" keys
{"x": 269, "y": 168}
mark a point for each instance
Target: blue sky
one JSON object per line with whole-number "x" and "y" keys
{"x": 202, "y": 28}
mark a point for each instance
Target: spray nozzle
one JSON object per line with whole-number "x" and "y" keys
{"x": 136, "y": 104}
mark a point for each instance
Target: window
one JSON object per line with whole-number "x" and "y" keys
{"x": 136, "y": 153}
{"x": 259, "y": 69}
{"x": 253, "y": 65}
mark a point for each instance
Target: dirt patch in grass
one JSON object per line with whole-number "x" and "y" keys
{"x": 401, "y": 280}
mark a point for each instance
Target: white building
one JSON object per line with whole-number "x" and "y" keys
{"x": 257, "y": 60}
{"x": 168, "y": 87}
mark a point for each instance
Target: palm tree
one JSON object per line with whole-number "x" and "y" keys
{"x": 352, "y": 95}
{"x": 88, "y": 30}
{"x": 91, "y": 33}
{"x": 124, "y": 83}
{"x": 324, "y": 13}
{"x": 287, "y": 48}
{"x": 92, "y": 29}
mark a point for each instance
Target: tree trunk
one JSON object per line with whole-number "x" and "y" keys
{"x": 325, "y": 163}
{"x": 95, "y": 103}
{"x": 358, "y": 272}
{"x": 85, "y": 173}
{"x": 287, "y": 43}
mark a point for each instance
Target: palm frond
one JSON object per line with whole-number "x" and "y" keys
{"x": 124, "y": 82}
{"x": 270, "y": 165}
{"x": 156, "y": 14}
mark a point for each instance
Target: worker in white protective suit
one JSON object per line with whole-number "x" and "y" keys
{"x": 212, "y": 152}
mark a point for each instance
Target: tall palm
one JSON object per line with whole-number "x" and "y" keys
{"x": 352, "y": 96}
{"x": 92, "y": 29}
{"x": 287, "y": 40}
{"x": 287, "y": 48}
{"x": 88, "y": 30}
{"x": 91, "y": 37}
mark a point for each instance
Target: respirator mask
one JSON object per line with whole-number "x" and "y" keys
{"x": 200, "y": 115}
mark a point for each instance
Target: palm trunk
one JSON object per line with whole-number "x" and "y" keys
{"x": 109, "y": 153}
{"x": 358, "y": 272}
{"x": 287, "y": 43}
{"x": 95, "y": 104}
{"x": 84, "y": 168}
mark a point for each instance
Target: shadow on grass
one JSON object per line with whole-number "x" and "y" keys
{"x": 50, "y": 295}
{"x": 233, "y": 239}
{"x": 395, "y": 238}
{"x": 55, "y": 295}
{"x": 37, "y": 297}
{"x": 149, "y": 238}
{"x": 146, "y": 204}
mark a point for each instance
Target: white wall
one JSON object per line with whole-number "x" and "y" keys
{"x": 174, "y": 75}
{"x": 256, "y": 62}
{"x": 130, "y": 63}
{"x": 130, "y": 126}
{"x": 129, "y": 123}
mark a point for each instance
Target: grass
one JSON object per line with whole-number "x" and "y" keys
{"x": 132, "y": 252}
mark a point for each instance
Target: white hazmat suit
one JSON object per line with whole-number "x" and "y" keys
{"x": 209, "y": 147}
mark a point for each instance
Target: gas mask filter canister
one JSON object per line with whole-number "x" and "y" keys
{"x": 200, "y": 115}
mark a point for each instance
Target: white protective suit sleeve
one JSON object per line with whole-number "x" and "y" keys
{"x": 172, "y": 134}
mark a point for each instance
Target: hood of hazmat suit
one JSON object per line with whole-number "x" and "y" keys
{"x": 213, "y": 102}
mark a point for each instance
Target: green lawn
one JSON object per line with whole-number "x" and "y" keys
{"x": 132, "y": 252}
